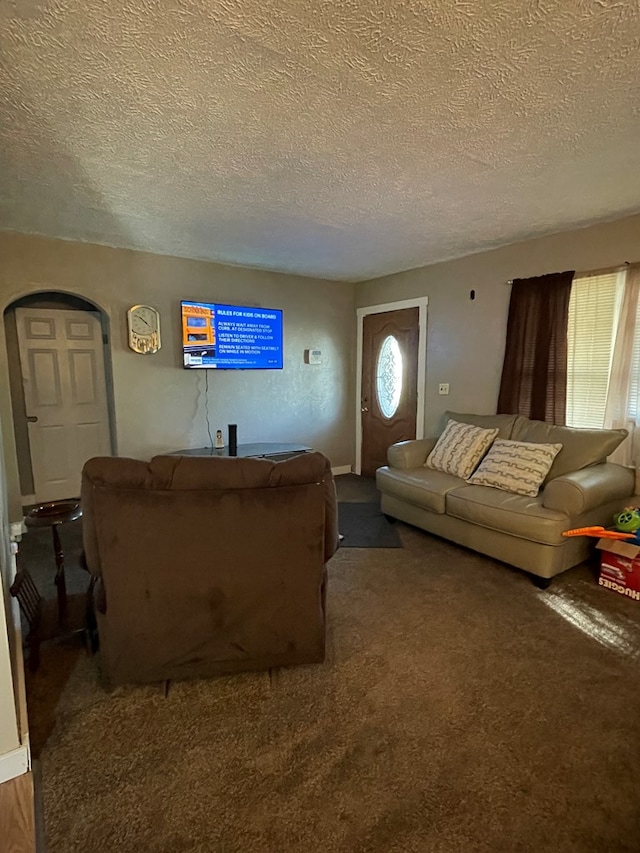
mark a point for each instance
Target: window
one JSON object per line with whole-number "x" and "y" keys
{"x": 633, "y": 403}
{"x": 389, "y": 376}
{"x": 593, "y": 313}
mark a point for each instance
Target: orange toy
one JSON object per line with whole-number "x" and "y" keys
{"x": 599, "y": 532}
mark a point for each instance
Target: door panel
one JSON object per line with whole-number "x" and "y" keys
{"x": 54, "y": 462}
{"x": 83, "y": 377}
{"x": 45, "y": 375}
{"x": 62, "y": 361}
{"x": 39, "y": 328}
{"x": 78, "y": 330}
{"x": 379, "y": 384}
{"x": 87, "y": 437}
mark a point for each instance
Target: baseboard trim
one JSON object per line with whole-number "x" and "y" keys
{"x": 341, "y": 469}
{"x": 14, "y": 763}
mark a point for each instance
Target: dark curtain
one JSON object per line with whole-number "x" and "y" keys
{"x": 534, "y": 373}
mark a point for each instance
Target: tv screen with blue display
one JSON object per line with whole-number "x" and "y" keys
{"x": 231, "y": 336}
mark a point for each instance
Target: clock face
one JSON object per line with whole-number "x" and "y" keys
{"x": 144, "y": 329}
{"x": 144, "y": 320}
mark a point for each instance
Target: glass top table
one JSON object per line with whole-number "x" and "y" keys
{"x": 265, "y": 449}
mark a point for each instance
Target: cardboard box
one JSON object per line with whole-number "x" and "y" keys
{"x": 620, "y": 567}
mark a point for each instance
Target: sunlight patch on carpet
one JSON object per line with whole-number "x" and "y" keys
{"x": 613, "y": 634}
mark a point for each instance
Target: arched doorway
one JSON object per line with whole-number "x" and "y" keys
{"x": 61, "y": 391}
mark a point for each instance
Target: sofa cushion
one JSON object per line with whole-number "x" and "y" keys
{"x": 460, "y": 448}
{"x": 580, "y": 447}
{"x": 497, "y": 510}
{"x": 424, "y": 487}
{"x": 516, "y": 466}
{"x": 503, "y": 423}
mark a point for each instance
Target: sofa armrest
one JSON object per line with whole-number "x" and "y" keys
{"x": 588, "y": 488}
{"x": 410, "y": 454}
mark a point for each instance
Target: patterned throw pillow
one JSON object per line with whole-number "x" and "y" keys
{"x": 460, "y": 448}
{"x": 516, "y": 466}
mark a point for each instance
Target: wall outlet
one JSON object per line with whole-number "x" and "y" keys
{"x": 443, "y": 388}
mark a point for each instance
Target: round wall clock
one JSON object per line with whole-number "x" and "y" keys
{"x": 143, "y": 323}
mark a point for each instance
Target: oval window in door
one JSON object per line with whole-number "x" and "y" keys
{"x": 389, "y": 376}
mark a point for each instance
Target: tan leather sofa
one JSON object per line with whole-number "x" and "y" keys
{"x": 208, "y": 565}
{"x": 581, "y": 490}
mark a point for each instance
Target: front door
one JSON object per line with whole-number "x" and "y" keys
{"x": 389, "y": 390}
{"x": 62, "y": 363}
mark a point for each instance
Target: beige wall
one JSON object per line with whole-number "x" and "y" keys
{"x": 465, "y": 339}
{"x": 159, "y": 406}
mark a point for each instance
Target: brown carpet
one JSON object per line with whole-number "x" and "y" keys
{"x": 459, "y": 709}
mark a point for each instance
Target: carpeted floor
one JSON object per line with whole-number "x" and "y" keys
{"x": 459, "y": 709}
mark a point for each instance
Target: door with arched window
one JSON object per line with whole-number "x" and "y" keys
{"x": 389, "y": 383}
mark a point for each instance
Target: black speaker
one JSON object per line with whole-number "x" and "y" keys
{"x": 233, "y": 439}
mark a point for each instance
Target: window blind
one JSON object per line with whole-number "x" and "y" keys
{"x": 633, "y": 405}
{"x": 593, "y": 308}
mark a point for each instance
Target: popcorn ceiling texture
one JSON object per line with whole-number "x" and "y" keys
{"x": 342, "y": 139}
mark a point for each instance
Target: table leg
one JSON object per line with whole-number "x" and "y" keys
{"x": 60, "y": 579}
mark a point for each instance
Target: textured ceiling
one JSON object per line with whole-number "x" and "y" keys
{"x": 343, "y": 139}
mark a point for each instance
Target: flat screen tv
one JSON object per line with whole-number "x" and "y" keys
{"x": 231, "y": 336}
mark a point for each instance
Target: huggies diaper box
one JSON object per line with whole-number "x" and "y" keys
{"x": 620, "y": 567}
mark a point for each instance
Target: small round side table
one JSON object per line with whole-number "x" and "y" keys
{"x": 51, "y": 515}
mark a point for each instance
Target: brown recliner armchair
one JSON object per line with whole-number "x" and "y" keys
{"x": 208, "y": 565}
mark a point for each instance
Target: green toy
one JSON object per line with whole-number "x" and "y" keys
{"x": 628, "y": 521}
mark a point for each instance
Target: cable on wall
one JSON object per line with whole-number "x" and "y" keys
{"x": 206, "y": 406}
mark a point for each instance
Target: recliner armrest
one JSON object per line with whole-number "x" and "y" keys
{"x": 410, "y": 454}
{"x": 588, "y": 488}
{"x": 330, "y": 514}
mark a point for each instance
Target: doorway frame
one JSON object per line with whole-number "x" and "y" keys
{"x": 420, "y": 302}
{"x": 68, "y": 296}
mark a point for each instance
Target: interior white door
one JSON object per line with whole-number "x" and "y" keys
{"x": 62, "y": 362}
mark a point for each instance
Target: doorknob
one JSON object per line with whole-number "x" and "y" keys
{"x": 32, "y": 418}
{"x": 364, "y": 409}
